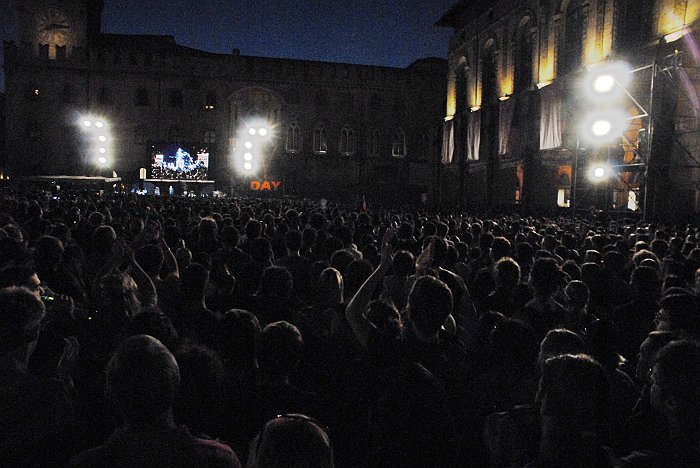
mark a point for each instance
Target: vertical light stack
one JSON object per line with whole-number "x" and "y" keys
{"x": 99, "y": 141}
{"x": 605, "y": 120}
{"x": 252, "y": 138}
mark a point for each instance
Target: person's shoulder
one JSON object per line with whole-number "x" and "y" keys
{"x": 215, "y": 453}
{"x": 642, "y": 459}
{"x": 94, "y": 457}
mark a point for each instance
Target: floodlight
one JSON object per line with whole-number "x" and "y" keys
{"x": 99, "y": 124}
{"x": 262, "y": 132}
{"x": 102, "y": 150}
{"x": 252, "y": 131}
{"x": 599, "y": 172}
{"x": 606, "y": 81}
{"x": 87, "y": 123}
{"x": 102, "y": 138}
{"x": 102, "y": 160}
{"x": 604, "y": 127}
{"x": 248, "y": 144}
{"x": 247, "y": 166}
{"x": 601, "y": 128}
{"x": 248, "y": 156}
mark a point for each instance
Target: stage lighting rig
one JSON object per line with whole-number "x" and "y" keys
{"x": 98, "y": 137}
{"x": 255, "y": 135}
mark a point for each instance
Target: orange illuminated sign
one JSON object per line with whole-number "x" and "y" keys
{"x": 260, "y": 185}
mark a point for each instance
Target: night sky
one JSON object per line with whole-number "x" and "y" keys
{"x": 374, "y": 32}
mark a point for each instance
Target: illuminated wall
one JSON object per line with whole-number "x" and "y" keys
{"x": 675, "y": 16}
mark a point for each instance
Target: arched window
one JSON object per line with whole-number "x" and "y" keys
{"x": 104, "y": 96}
{"x": 571, "y": 53}
{"x": 292, "y": 143}
{"x": 489, "y": 78}
{"x": 461, "y": 84}
{"x": 320, "y": 140}
{"x": 523, "y": 56}
{"x": 142, "y": 97}
{"x": 374, "y": 147}
{"x": 347, "y": 140}
{"x": 398, "y": 145}
{"x": 61, "y": 52}
{"x": 210, "y": 137}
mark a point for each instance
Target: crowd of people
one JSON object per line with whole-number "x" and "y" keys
{"x": 167, "y": 331}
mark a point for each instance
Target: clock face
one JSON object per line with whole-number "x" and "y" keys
{"x": 53, "y": 26}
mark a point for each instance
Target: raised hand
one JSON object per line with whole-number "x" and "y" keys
{"x": 386, "y": 246}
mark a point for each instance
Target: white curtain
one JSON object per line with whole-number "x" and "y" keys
{"x": 505, "y": 119}
{"x": 550, "y": 118}
{"x": 474, "y": 136}
{"x": 448, "y": 141}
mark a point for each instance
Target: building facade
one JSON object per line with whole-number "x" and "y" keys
{"x": 516, "y": 103}
{"x": 338, "y": 127}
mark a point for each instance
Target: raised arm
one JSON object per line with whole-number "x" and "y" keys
{"x": 147, "y": 290}
{"x": 355, "y": 311}
{"x": 168, "y": 256}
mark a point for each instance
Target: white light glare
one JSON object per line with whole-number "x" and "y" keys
{"x": 248, "y": 157}
{"x": 102, "y": 138}
{"x": 247, "y": 166}
{"x": 262, "y": 132}
{"x": 604, "y": 127}
{"x": 604, "y": 83}
{"x": 601, "y": 128}
{"x": 252, "y": 131}
{"x": 102, "y": 160}
{"x": 599, "y": 172}
{"x": 87, "y": 123}
{"x": 248, "y": 144}
{"x": 99, "y": 124}
{"x": 102, "y": 150}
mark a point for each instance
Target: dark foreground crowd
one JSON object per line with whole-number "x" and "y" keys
{"x": 140, "y": 331}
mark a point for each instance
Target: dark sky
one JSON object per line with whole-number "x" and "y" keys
{"x": 374, "y": 32}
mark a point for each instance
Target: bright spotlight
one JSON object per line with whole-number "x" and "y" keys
{"x": 247, "y": 166}
{"x": 599, "y": 172}
{"x": 102, "y": 138}
{"x": 252, "y": 131}
{"x": 87, "y": 123}
{"x": 248, "y": 144}
{"x": 604, "y": 127}
{"x": 99, "y": 124}
{"x": 102, "y": 150}
{"x": 262, "y": 132}
{"x": 248, "y": 157}
{"x": 601, "y": 128}
{"x": 102, "y": 160}
{"x": 604, "y": 82}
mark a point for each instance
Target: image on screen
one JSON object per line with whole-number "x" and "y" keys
{"x": 180, "y": 162}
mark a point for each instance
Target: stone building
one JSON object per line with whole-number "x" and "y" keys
{"x": 516, "y": 105}
{"x": 339, "y": 128}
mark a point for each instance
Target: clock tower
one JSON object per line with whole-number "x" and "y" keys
{"x": 57, "y": 29}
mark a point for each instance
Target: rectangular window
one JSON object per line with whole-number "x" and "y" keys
{"x": 564, "y": 198}
{"x": 633, "y": 200}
